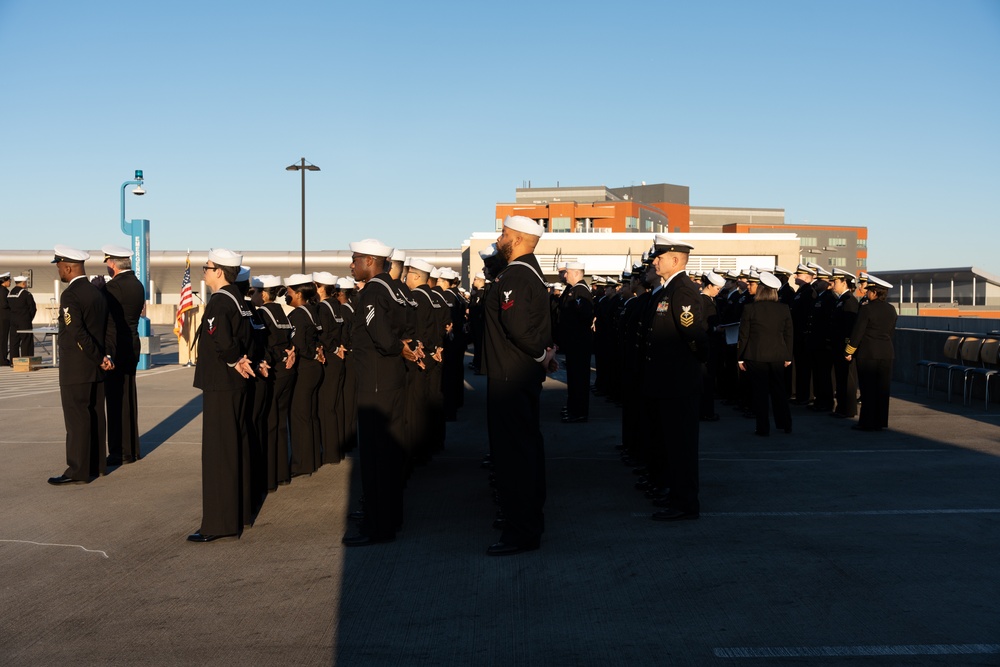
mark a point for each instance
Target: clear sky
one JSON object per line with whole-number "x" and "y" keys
{"x": 423, "y": 115}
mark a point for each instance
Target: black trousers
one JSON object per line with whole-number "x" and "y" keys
{"x": 846, "y": 377}
{"x": 222, "y": 453}
{"x": 767, "y": 383}
{"x": 349, "y": 421}
{"x": 83, "y": 413}
{"x": 5, "y": 330}
{"x": 254, "y": 473}
{"x": 518, "y": 455}
{"x": 123, "y": 415}
{"x": 672, "y": 429}
{"x": 21, "y": 345}
{"x": 803, "y": 371}
{"x": 276, "y": 434}
{"x": 874, "y": 379}
{"x": 380, "y": 422}
{"x": 328, "y": 399}
{"x": 822, "y": 378}
{"x": 578, "y": 381}
{"x": 303, "y": 419}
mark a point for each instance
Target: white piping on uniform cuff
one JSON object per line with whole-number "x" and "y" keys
{"x": 541, "y": 358}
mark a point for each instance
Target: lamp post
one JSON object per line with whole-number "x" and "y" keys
{"x": 303, "y": 166}
{"x": 139, "y": 231}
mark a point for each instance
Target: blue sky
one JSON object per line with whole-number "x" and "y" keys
{"x": 422, "y": 116}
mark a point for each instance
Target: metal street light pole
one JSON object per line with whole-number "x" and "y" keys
{"x": 303, "y": 166}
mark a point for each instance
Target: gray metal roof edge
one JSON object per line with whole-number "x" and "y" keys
{"x": 971, "y": 269}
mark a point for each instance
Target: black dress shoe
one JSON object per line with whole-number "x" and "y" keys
{"x": 360, "y": 540}
{"x": 673, "y": 515}
{"x": 574, "y": 419}
{"x": 63, "y": 479}
{"x": 505, "y": 549}
{"x": 201, "y": 537}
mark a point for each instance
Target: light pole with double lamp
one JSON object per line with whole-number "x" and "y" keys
{"x": 303, "y": 166}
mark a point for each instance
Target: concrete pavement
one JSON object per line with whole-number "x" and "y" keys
{"x": 827, "y": 546}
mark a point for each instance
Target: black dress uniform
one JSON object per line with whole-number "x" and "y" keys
{"x": 126, "y": 299}
{"x": 518, "y": 333}
{"x": 821, "y": 346}
{"x": 304, "y": 426}
{"x": 476, "y": 329}
{"x": 675, "y": 344}
{"x": 576, "y": 316}
{"x": 331, "y": 324}
{"x": 872, "y": 349}
{"x": 441, "y": 314}
{"x": 281, "y": 380}
{"x": 845, "y": 314}
{"x": 4, "y": 322}
{"x": 802, "y": 323}
{"x": 83, "y": 321}
{"x": 765, "y": 344}
{"x": 22, "y": 312}
{"x": 224, "y": 340}
{"x": 377, "y": 350}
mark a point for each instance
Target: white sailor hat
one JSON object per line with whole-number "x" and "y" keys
{"x": 266, "y": 281}
{"x": 346, "y": 283}
{"x": 223, "y": 257}
{"x": 421, "y": 265}
{"x": 872, "y": 280}
{"x": 770, "y": 280}
{"x": 115, "y": 251}
{"x": 324, "y": 278}
{"x": 575, "y": 266}
{"x": 407, "y": 260}
{"x": 372, "y": 247}
{"x": 398, "y": 255}
{"x": 66, "y": 254}
{"x": 781, "y": 271}
{"x": 449, "y": 274}
{"x": 662, "y": 244}
{"x": 715, "y": 279}
{"x": 559, "y": 287}
{"x": 20, "y": 279}
{"x": 435, "y": 273}
{"x": 298, "y": 279}
{"x": 802, "y": 268}
{"x": 520, "y": 223}
{"x": 243, "y": 275}
{"x": 840, "y": 274}
{"x": 561, "y": 266}
{"x": 480, "y": 275}
{"x": 488, "y": 251}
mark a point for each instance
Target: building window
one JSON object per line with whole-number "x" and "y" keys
{"x": 562, "y": 224}
{"x": 807, "y": 241}
{"x": 861, "y": 262}
{"x": 862, "y": 243}
{"x": 632, "y": 224}
{"x": 499, "y": 224}
{"x": 838, "y": 243}
{"x": 838, "y": 261}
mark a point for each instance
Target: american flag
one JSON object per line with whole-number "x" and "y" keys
{"x": 187, "y": 298}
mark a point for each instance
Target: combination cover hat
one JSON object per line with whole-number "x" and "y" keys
{"x": 715, "y": 279}
{"x": 6, "y": 275}
{"x": 520, "y": 223}
{"x": 66, "y": 254}
{"x": 116, "y": 251}
{"x": 223, "y": 257}
{"x": 843, "y": 275}
{"x": 769, "y": 280}
{"x": 662, "y": 244}
{"x": 781, "y": 271}
{"x": 872, "y": 280}
{"x": 802, "y": 268}
{"x": 372, "y": 247}
{"x": 324, "y": 278}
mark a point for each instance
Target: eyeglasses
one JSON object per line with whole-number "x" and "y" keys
{"x": 206, "y": 267}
